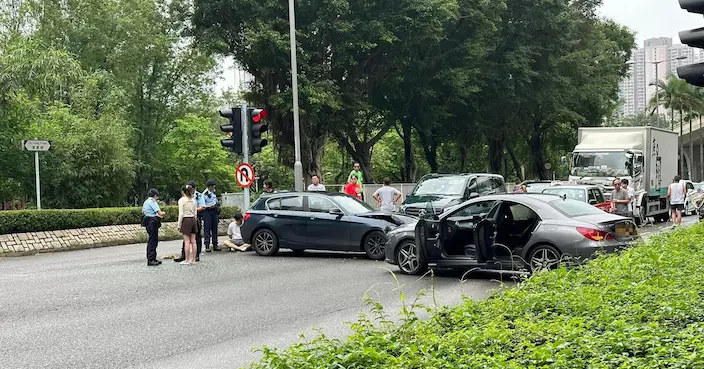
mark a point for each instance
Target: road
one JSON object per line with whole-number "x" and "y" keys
{"x": 105, "y": 308}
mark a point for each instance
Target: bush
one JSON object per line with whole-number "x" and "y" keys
{"x": 56, "y": 219}
{"x": 642, "y": 308}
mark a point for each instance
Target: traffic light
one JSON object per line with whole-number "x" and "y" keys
{"x": 233, "y": 130}
{"x": 257, "y": 128}
{"x": 692, "y": 73}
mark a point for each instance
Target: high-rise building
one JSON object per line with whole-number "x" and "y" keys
{"x": 658, "y": 57}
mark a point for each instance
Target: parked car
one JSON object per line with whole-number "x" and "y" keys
{"x": 536, "y": 186}
{"x": 435, "y": 192}
{"x": 693, "y": 190}
{"x": 317, "y": 220}
{"x": 541, "y": 229}
{"x": 593, "y": 195}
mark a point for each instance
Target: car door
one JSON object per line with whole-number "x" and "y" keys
{"x": 290, "y": 220}
{"x": 326, "y": 231}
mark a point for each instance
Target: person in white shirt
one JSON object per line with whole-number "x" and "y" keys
{"x": 631, "y": 194}
{"x": 676, "y": 192}
{"x": 387, "y": 196}
{"x": 316, "y": 185}
{"x": 233, "y": 230}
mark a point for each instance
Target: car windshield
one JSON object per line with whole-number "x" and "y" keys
{"x": 353, "y": 205}
{"x": 537, "y": 187}
{"x": 572, "y": 193}
{"x": 441, "y": 186}
{"x": 599, "y": 164}
{"x": 573, "y": 208}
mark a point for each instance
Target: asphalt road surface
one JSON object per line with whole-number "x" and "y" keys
{"x": 104, "y": 308}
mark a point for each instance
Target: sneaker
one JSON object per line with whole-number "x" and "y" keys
{"x": 153, "y": 263}
{"x": 178, "y": 260}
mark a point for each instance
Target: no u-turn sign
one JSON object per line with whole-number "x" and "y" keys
{"x": 244, "y": 175}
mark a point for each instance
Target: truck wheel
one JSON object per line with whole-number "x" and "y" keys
{"x": 642, "y": 213}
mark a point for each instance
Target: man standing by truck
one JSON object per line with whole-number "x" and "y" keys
{"x": 620, "y": 199}
{"x": 676, "y": 193}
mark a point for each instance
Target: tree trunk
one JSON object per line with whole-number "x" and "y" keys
{"x": 535, "y": 144}
{"x": 516, "y": 163}
{"x": 463, "y": 158}
{"x": 496, "y": 151}
{"x": 410, "y": 167}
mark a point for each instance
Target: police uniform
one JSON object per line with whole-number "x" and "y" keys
{"x": 152, "y": 222}
{"x": 210, "y": 217}
{"x": 200, "y": 202}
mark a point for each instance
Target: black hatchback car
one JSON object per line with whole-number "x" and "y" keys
{"x": 318, "y": 221}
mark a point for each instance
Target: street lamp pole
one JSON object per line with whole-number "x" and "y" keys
{"x": 297, "y": 166}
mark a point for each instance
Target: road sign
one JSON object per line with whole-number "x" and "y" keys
{"x": 244, "y": 175}
{"x": 37, "y": 145}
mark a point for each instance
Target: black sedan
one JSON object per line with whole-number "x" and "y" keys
{"x": 317, "y": 221}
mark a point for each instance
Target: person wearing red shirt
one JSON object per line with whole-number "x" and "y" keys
{"x": 353, "y": 188}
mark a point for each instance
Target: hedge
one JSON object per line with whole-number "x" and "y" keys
{"x": 56, "y": 219}
{"x": 642, "y": 308}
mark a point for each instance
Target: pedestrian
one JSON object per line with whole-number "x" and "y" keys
{"x": 519, "y": 187}
{"x": 631, "y": 194}
{"x": 316, "y": 185}
{"x": 233, "y": 231}
{"x": 619, "y": 199}
{"x": 268, "y": 186}
{"x": 353, "y": 188}
{"x": 152, "y": 221}
{"x": 357, "y": 171}
{"x": 187, "y": 212}
{"x": 200, "y": 203}
{"x": 387, "y": 196}
{"x": 676, "y": 193}
{"x": 210, "y": 217}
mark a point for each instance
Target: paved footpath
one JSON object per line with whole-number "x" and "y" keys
{"x": 104, "y": 308}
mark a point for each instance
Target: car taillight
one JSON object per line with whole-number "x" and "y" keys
{"x": 247, "y": 215}
{"x": 595, "y": 234}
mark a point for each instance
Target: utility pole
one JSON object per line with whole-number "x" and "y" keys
{"x": 297, "y": 166}
{"x": 245, "y": 147}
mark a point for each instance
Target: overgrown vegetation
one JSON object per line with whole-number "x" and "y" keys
{"x": 642, "y": 308}
{"x": 51, "y": 220}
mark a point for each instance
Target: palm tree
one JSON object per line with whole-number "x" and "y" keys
{"x": 675, "y": 94}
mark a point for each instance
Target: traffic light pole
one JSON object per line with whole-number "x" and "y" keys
{"x": 297, "y": 166}
{"x": 245, "y": 148}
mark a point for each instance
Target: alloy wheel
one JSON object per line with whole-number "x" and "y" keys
{"x": 408, "y": 257}
{"x": 544, "y": 258}
{"x": 375, "y": 245}
{"x": 264, "y": 242}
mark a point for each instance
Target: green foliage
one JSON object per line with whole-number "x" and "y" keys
{"x": 268, "y": 166}
{"x": 638, "y": 309}
{"x": 51, "y": 220}
{"x": 192, "y": 150}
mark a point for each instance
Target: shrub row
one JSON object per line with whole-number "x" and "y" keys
{"x": 643, "y": 308}
{"x": 56, "y": 219}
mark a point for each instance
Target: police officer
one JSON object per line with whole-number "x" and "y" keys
{"x": 200, "y": 203}
{"x": 210, "y": 216}
{"x": 152, "y": 221}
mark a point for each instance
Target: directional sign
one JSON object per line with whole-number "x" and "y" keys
{"x": 37, "y": 145}
{"x": 244, "y": 175}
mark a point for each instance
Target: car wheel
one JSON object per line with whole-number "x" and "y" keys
{"x": 374, "y": 245}
{"x": 544, "y": 257}
{"x": 265, "y": 242}
{"x": 410, "y": 259}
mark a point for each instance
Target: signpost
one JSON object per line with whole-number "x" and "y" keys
{"x": 36, "y": 146}
{"x": 244, "y": 175}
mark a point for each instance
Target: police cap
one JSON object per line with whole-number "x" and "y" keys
{"x": 153, "y": 192}
{"x": 211, "y": 182}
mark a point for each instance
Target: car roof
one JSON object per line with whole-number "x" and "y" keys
{"x": 580, "y": 187}
{"x": 462, "y": 175}
{"x": 537, "y": 201}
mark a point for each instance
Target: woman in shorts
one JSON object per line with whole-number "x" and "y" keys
{"x": 187, "y": 212}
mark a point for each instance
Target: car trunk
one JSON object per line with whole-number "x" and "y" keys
{"x": 621, "y": 228}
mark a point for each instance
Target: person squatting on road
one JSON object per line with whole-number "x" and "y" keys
{"x": 676, "y": 193}
{"x": 187, "y": 211}
{"x": 210, "y": 217}
{"x": 200, "y": 204}
{"x": 152, "y": 221}
{"x": 233, "y": 231}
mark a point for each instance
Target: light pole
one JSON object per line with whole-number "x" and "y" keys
{"x": 297, "y": 165}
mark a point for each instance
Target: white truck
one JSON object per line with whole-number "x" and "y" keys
{"x": 646, "y": 156}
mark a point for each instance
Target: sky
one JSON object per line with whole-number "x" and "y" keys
{"x": 647, "y": 18}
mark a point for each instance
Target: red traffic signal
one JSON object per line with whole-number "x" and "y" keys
{"x": 257, "y": 115}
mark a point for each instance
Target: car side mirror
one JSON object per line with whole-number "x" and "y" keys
{"x": 473, "y": 195}
{"x": 336, "y": 211}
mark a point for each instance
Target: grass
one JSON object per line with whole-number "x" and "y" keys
{"x": 641, "y": 308}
